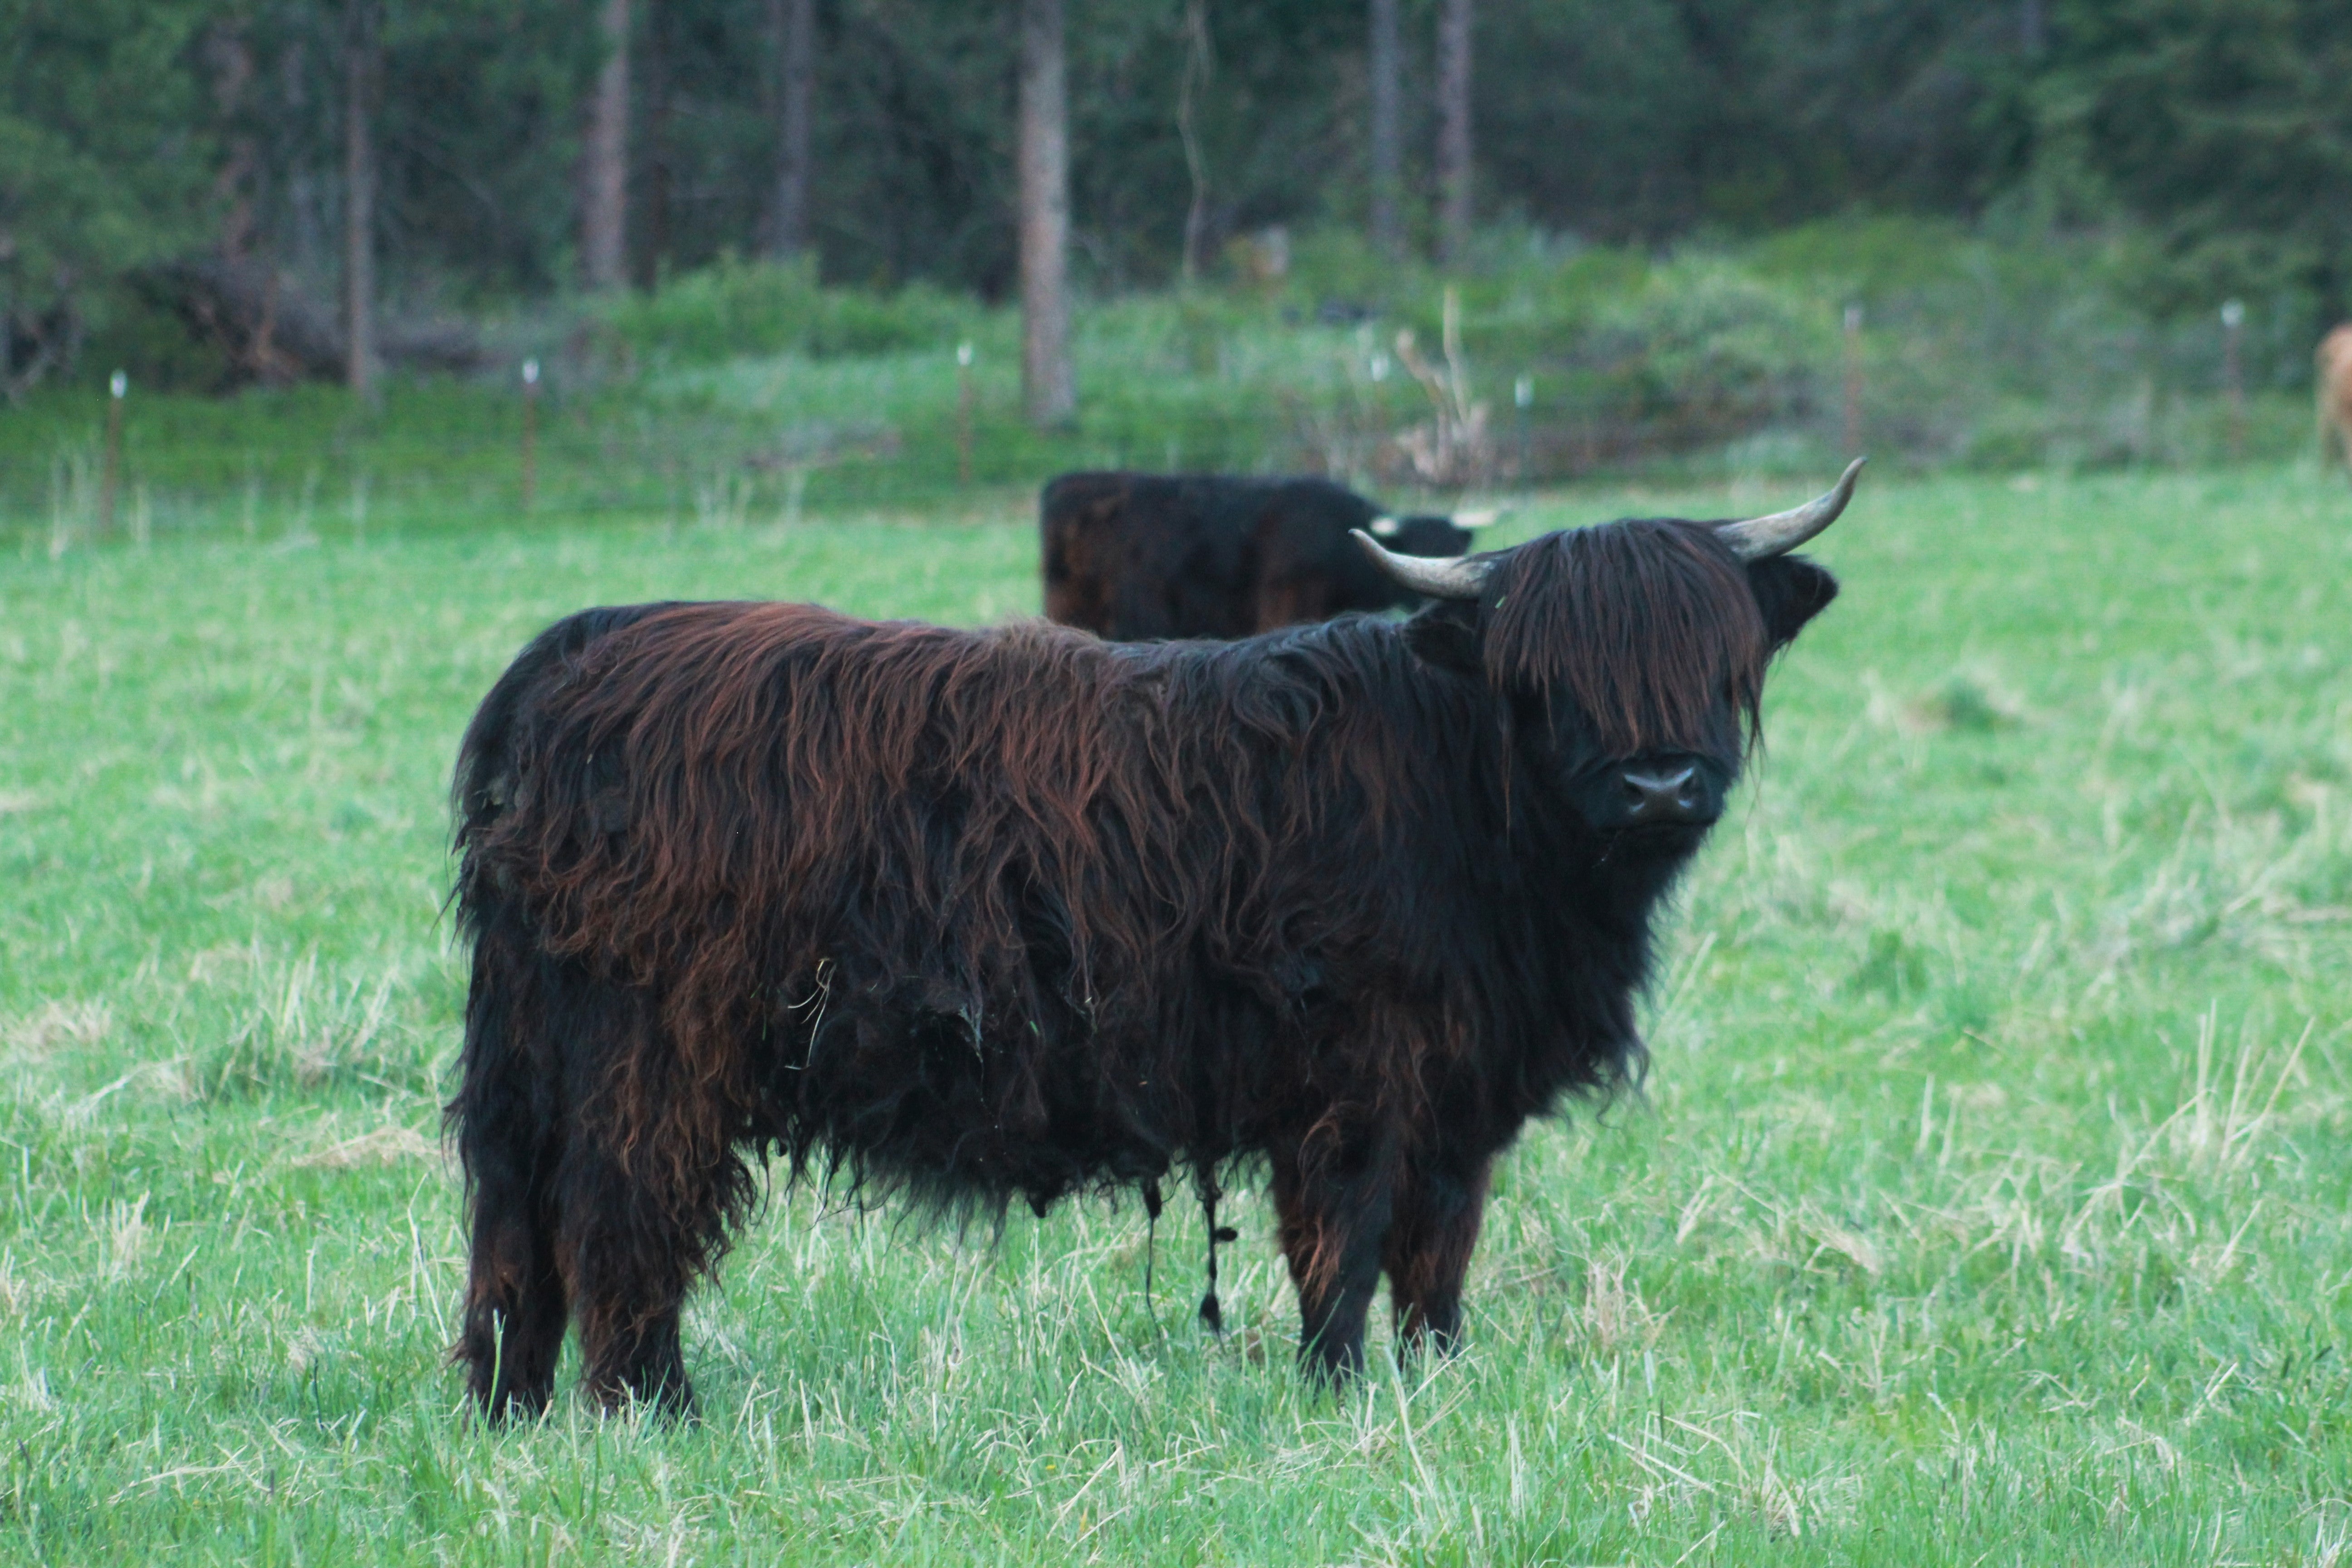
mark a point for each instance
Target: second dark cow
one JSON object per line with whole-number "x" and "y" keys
{"x": 1136, "y": 556}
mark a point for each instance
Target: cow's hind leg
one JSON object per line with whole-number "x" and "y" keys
{"x": 1333, "y": 1212}
{"x": 649, "y": 1184}
{"x": 515, "y": 1311}
{"x": 1427, "y": 1252}
{"x": 508, "y": 1121}
{"x": 630, "y": 1270}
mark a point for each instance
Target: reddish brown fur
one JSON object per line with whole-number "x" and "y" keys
{"x": 978, "y": 916}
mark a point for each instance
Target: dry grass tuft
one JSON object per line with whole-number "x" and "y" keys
{"x": 385, "y": 1146}
{"x": 126, "y": 1234}
{"x": 56, "y": 1027}
{"x": 1613, "y": 1316}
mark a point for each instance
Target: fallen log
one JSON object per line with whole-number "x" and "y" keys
{"x": 272, "y": 333}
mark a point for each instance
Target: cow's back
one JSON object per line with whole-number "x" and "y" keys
{"x": 1132, "y": 557}
{"x": 1308, "y": 569}
{"x": 1077, "y": 521}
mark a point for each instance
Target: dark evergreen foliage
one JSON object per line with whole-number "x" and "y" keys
{"x": 134, "y": 133}
{"x": 2226, "y": 124}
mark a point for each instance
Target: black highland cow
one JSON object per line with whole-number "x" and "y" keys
{"x": 973, "y": 916}
{"x": 1136, "y": 556}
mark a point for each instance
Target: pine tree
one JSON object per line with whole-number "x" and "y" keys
{"x": 1454, "y": 167}
{"x": 2227, "y": 124}
{"x": 1046, "y": 387}
{"x": 605, "y": 157}
{"x": 105, "y": 163}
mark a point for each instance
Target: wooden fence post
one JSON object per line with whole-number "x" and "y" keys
{"x": 530, "y": 432}
{"x": 964, "y": 399}
{"x": 110, "y": 482}
{"x": 1853, "y": 379}
{"x": 2233, "y": 378}
{"x": 1523, "y": 397}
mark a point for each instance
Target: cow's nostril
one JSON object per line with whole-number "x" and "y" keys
{"x": 1658, "y": 797}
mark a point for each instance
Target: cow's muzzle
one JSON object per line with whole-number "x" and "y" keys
{"x": 1665, "y": 797}
{"x": 1660, "y": 792}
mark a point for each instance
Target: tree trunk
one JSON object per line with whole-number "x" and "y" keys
{"x": 661, "y": 158}
{"x": 604, "y": 159}
{"x": 303, "y": 238}
{"x": 363, "y": 61}
{"x": 1045, "y": 384}
{"x": 793, "y": 22}
{"x": 1387, "y": 160}
{"x": 228, "y": 52}
{"x": 1197, "y": 62}
{"x": 1454, "y": 18}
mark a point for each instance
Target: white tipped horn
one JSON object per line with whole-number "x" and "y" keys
{"x": 1760, "y": 537}
{"x": 1387, "y": 527}
{"x": 1456, "y": 577}
{"x": 1485, "y": 517}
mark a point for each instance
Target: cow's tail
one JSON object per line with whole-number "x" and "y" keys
{"x": 486, "y": 757}
{"x": 505, "y": 955}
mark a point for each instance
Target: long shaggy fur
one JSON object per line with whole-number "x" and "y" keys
{"x": 1646, "y": 626}
{"x": 973, "y": 916}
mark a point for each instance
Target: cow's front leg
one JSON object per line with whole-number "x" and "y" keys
{"x": 1334, "y": 1211}
{"x": 1427, "y": 1253}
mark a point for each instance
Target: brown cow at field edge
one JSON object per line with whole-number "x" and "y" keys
{"x": 1132, "y": 557}
{"x": 2333, "y": 385}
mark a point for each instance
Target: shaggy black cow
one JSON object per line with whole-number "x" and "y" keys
{"x": 1134, "y": 556}
{"x": 972, "y": 916}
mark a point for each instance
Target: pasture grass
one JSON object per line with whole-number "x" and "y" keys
{"x": 742, "y": 396}
{"x": 751, "y": 440}
{"x": 1987, "y": 1202}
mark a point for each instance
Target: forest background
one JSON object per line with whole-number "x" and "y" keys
{"x": 1994, "y": 234}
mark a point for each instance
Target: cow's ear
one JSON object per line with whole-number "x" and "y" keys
{"x": 1791, "y": 591}
{"x": 1445, "y": 633}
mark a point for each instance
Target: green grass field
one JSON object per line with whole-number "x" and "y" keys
{"x": 1207, "y": 385}
{"x": 1988, "y": 1201}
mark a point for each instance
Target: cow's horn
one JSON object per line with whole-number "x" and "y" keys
{"x": 1457, "y": 577}
{"x": 1485, "y": 517}
{"x": 1758, "y": 537}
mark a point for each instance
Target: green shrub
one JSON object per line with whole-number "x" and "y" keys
{"x": 133, "y": 331}
{"x": 1629, "y": 356}
{"x": 1707, "y": 345}
{"x": 1863, "y": 259}
{"x": 735, "y": 307}
{"x": 1337, "y": 266}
